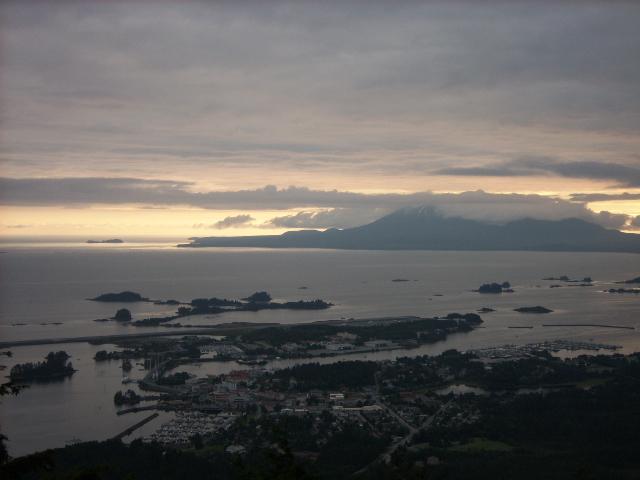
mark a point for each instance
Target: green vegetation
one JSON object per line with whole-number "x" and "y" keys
{"x": 56, "y": 365}
{"x": 122, "y": 315}
{"x": 178, "y": 378}
{"x": 125, "y": 296}
{"x": 258, "y": 297}
{"x": 537, "y": 309}
{"x": 481, "y": 445}
{"x": 333, "y": 376}
{"x": 127, "y": 398}
{"x": 495, "y": 287}
{"x": 423, "y": 330}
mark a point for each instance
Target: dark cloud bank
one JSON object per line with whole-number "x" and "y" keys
{"x": 621, "y": 175}
{"x": 321, "y": 208}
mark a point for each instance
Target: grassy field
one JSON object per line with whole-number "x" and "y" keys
{"x": 482, "y": 445}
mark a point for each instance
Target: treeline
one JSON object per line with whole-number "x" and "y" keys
{"x": 56, "y": 365}
{"x": 425, "y": 330}
{"x": 253, "y": 303}
{"x": 312, "y": 376}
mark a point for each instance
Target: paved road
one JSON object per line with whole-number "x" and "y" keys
{"x": 406, "y": 440}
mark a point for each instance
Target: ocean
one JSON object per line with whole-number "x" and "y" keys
{"x": 44, "y": 289}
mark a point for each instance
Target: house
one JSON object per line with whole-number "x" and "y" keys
{"x": 378, "y": 344}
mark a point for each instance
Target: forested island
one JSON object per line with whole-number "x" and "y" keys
{"x": 537, "y": 309}
{"x": 565, "y": 278}
{"x": 504, "y": 287}
{"x": 126, "y": 297}
{"x": 632, "y": 280}
{"x": 55, "y": 366}
{"x": 205, "y": 306}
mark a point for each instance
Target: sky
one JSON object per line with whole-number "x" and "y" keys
{"x": 232, "y": 118}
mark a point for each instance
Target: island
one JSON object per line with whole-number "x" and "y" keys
{"x": 258, "y": 297}
{"x": 565, "y": 278}
{"x": 127, "y": 398}
{"x": 504, "y": 287}
{"x": 486, "y": 310}
{"x": 633, "y": 280}
{"x": 424, "y": 228}
{"x": 110, "y": 240}
{"x": 537, "y": 309}
{"x": 55, "y": 366}
{"x": 623, "y": 290}
{"x": 125, "y": 297}
{"x": 122, "y": 315}
{"x": 212, "y": 306}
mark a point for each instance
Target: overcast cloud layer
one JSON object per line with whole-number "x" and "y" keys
{"x": 329, "y": 208}
{"x": 205, "y": 103}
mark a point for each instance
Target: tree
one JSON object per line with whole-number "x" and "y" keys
{"x": 197, "y": 441}
{"x": 8, "y": 388}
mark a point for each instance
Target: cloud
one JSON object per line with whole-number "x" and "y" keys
{"x": 331, "y": 218}
{"x": 88, "y": 190}
{"x": 319, "y": 208}
{"x": 622, "y": 175}
{"x": 104, "y": 87}
{"x": 611, "y": 220}
{"x": 635, "y": 222}
{"x": 604, "y": 197}
{"x": 233, "y": 222}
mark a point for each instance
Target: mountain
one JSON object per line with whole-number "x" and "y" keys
{"x": 421, "y": 228}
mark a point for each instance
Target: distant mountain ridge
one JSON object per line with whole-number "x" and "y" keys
{"x": 421, "y": 228}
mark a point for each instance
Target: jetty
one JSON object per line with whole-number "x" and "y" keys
{"x": 136, "y": 426}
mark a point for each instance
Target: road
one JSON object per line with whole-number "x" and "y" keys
{"x": 407, "y": 439}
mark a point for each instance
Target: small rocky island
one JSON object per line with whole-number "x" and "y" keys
{"x": 623, "y": 290}
{"x": 126, "y": 297}
{"x": 122, "y": 315}
{"x": 537, "y": 309}
{"x": 204, "y": 306}
{"x": 633, "y": 280}
{"x": 504, "y": 287}
{"x": 565, "y": 278}
{"x": 109, "y": 240}
{"x": 55, "y": 366}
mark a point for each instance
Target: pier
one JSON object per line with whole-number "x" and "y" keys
{"x": 136, "y": 426}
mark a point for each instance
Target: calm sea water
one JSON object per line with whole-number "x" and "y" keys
{"x": 45, "y": 283}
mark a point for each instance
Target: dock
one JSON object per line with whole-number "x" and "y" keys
{"x": 136, "y": 426}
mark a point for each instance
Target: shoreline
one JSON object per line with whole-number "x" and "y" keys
{"x": 220, "y": 329}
